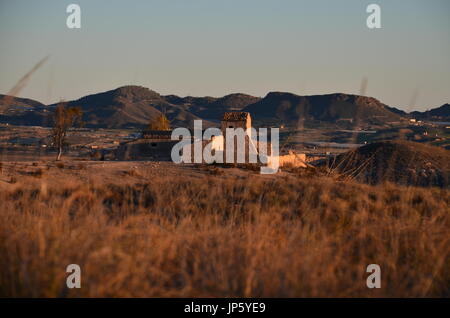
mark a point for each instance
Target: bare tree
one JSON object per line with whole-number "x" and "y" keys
{"x": 63, "y": 119}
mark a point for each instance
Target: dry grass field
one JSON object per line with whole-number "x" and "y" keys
{"x": 158, "y": 230}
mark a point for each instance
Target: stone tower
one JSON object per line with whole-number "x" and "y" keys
{"x": 237, "y": 120}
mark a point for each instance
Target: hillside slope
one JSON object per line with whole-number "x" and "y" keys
{"x": 210, "y": 107}
{"x": 289, "y": 108}
{"x": 401, "y": 162}
{"x": 22, "y": 111}
{"x": 135, "y": 106}
{"x": 130, "y": 106}
{"x": 439, "y": 113}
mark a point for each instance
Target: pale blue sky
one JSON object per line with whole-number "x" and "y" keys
{"x": 217, "y": 47}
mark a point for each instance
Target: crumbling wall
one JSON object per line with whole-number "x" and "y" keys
{"x": 146, "y": 149}
{"x": 293, "y": 160}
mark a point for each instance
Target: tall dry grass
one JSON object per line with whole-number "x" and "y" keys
{"x": 216, "y": 236}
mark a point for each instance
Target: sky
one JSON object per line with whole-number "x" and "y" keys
{"x": 218, "y": 47}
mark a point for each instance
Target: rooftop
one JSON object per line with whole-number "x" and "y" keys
{"x": 235, "y": 116}
{"x": 157, "y": 134}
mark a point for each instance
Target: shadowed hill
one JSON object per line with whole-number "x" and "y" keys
{"x": 135, "y": 106}
{"x": 129, "y": 106}
{"x": 439, "y": 113}
{"x": 17, "y": 102}
{"x": 396, "y": 110}
{"x": 290, "y": 108}
{"x": 22, "y": 111}
{"x": 126, "y": 106}
{"x": 211, "y": 107}
{"x": 401, "y": 162}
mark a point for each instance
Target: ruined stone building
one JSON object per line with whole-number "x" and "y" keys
{"x": 236, "y": 120}
{"x": 243, "y": 120}
{"x": 154, "y": 145}
{"x": 157, "y": 145}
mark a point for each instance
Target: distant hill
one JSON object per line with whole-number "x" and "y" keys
{"x": 135, "y": 106}
{"x": 290, "y": 108}
{"x": 22, "y": 111}
{"x": 17, "y": 102}
{"x": 402, "y": 162}
{"x": 441, "y": 113}
{"x": 396, "y": 110}
{"x": 213, "y": 108}
{"x": 129, "y": 106}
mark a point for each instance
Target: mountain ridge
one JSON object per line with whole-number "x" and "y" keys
{"x": 133, "y": 106}
{"x": 438, "y": 113}
{"x": 290, "y": 108}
